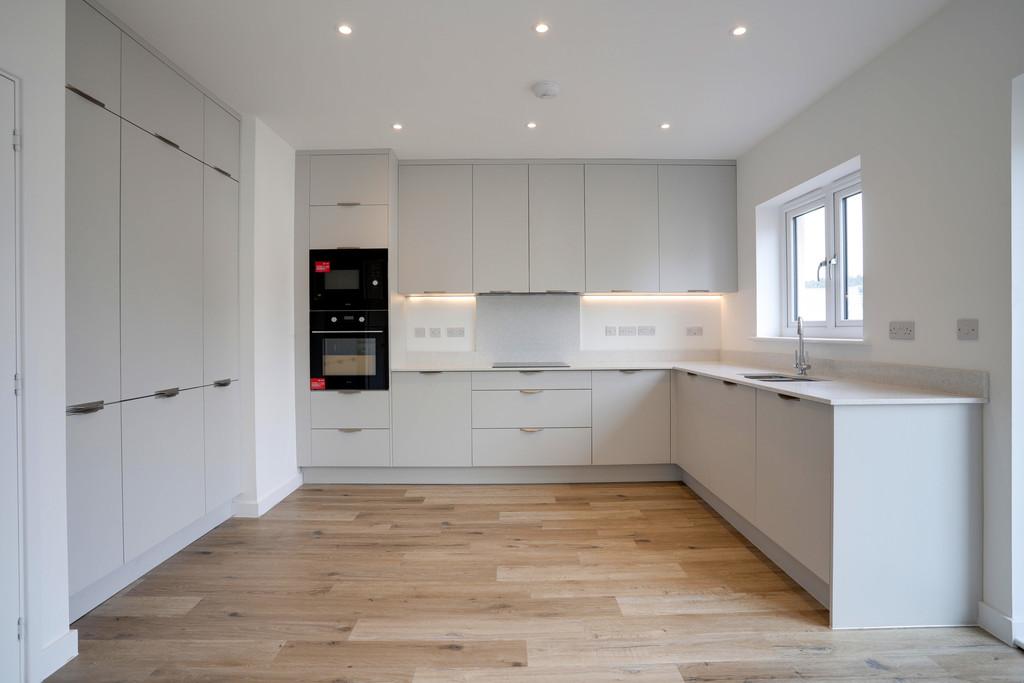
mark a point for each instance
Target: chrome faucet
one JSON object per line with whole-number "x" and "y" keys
{"x": 801, "y": 364}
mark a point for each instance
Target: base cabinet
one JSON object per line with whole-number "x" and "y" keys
{"x": 95, "y": 518}
{"x": 162, "y": 442}
{"x": 223, "y": 467}
{"x": 351, "y": 447}
{"x": 631, "y": 417}
{"x": 432, "y": 419}
{"x": 531, "y": 447}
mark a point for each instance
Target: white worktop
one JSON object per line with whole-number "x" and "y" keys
{"x": 835, "y": 392}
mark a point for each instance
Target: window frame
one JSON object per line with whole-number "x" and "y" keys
{"x": 828, "y": 197}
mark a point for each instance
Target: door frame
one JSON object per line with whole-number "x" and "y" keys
{"x": 19, "y": 367}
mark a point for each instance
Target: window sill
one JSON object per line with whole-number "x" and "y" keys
{"x": 816, "y": 340}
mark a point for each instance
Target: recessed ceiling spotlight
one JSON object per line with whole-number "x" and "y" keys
{"x": 666, "y": 126}
{"x": 396, "y": 126}
{"x": 345, "y": 30}
{"x": 531, "y": 125}
{"x": 541, "y": 27}
{"x": 739, "y": 31}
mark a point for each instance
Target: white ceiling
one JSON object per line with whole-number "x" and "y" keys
{"x": 457, "y": 73}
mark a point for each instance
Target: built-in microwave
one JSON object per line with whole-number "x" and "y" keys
{"x": 341, "y": 279}
{"x": 348, "y": 350}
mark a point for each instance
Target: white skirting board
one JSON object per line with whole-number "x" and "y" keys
{"x": 258, "y": 508}
{"x": 1003, "y": 627}
{"x": 86, "y": 599}
{"x": 490, "y": 475}
{"x": 818, "y": 589}
{"x": 54, "y": 656}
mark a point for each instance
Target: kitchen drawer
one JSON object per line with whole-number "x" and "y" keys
{"x": 351, "y": 448}
{"x": 358, "y": 409}
{"x": 351, "y": 227}
{"x": 532, "y": 379}
{"x": 518, "y": 447}
{"x": 531, "y": 408}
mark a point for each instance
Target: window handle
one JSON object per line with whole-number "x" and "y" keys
{"x": 826, "y": 262}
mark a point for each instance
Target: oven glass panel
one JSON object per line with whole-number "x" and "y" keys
{"x": 353, "y": 357}
{"x": 342, "y": 280}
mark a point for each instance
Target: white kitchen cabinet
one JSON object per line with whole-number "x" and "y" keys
{"x": 531, "y": 379}
{"x": 350, "y": 409}
{"x": 350, "y": 447}
{"x": 622, "y": 227}
{"x": 631, "y": 417}
{"x": 93, "y": 55}
{"x": 431, "y": 419}
{"x": 435, "y": 228}
{"x": 161, "y": 266}
{"x": 794, "y": 478}
{"x": 501, "y": 228}
{"x": 221, "y": 138}
{"x": 92, "y": 253}
{"x": 220, "y": 277}
{"x": 531, "y": 447}
{"x": 716, "y": 438}
{"x": 159, "y": 100}
{"x": 557, "y": 234}
{"x": 223, "y": 466}
{"x": 162, "y": 454}
{"x": 348, "y": 179}
{"x": 95, "y": 519}
{"x": 697, "y": 226}
{"x": 531, "y": 408}
{"x": 350, "y": 227}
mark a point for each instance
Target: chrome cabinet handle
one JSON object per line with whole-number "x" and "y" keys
{"x": 167, "y": 141}
{"x": 728, "y": 383}
{"x": 788, "y": 398}
{"x": 529, "y": 372}
{"x": 85, "y": 408}
{"x": 167, "y": 393}
{"x": 431, "y": 372}
{"x": 349, "y": 203}
{"x": 350, "y": 430}
{"x": 627, "y": 372}
{"x": 220, "y": 170}
{"x": 435, "y": 291}
{"x": 698, "y": 291}
{"x": 531, "y": 430}
{"x": 350, "y": 391}
{"x": 531, "y": 391}
{"x": 691, "y": 374}
{"x": 222, "y": 382}
{"x": 86, "y": 96}
{"x": 621, "y": 290}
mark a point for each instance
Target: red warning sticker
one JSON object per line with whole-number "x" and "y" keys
{"x": 322, "y": 266}
{"x": 318, "y": 384}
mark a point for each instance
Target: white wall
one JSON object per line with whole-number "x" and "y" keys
{"x": 267, "y": 297}
{"x": 930, "y": 119}
{"x": 32, "y": 49}
{"x": 1017, "y": 316}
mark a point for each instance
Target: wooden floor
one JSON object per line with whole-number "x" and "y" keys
{"x": 568, "y": 583}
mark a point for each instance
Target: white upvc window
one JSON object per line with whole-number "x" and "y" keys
{"x": 824, "y": 269}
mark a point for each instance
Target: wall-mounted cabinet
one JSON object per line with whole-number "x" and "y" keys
{"x": 221, "y": 138}
{"x": 348, "y": 179}
{"x": 435, "y": 228}
{"x": 557, "y": 233}
{"x": 501, "y": 228}
{"x": 93, "y": 55}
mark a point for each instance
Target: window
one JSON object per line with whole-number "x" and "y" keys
{"x": 825, "y": 261}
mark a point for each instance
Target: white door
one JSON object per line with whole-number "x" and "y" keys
{"x": 10, "y": 476}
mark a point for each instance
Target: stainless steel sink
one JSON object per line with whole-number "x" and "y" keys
{"x": 775, "y": 377}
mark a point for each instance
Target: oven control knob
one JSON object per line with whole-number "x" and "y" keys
{"x": 334, "y": 318}
{"x": 362, "y": 319}
{"x": 375, "y": 283}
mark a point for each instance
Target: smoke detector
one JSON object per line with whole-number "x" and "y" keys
{"x": 545, "y": 90}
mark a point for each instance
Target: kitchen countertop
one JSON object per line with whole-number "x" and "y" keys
{"x": 835, "y": 392}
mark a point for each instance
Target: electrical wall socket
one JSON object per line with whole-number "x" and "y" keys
{"x": 645, "y": 330}
{"x": 456, "y": 331}
{"x": 967, "y": 329}
{"x": 695, "y": 331}
{"x": 901, "y": 329}
{"x": 627, "y": 330}
{"x": 435, "y": 332}
{"x": 420, "y": 332}
{"x": 610, "y": 330}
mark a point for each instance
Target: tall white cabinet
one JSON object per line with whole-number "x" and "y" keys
{"x": 152, "y": 308}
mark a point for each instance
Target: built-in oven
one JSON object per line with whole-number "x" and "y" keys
{"x": 341, "y": 279}
{"x": 348, "y": 350}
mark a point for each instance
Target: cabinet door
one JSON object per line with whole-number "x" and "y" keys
{"x": 431, "y": 419}
{"x": 697, "y": 217}
{"x": 157, "y": 99}
{"x": 220, "y": 277}
{"x": 162, "y": 452}
{"x": 348, "y": 227}
{"x": 501, "y": 229}
{"x": 161, "y": 266}
{"x": 631, "y": 417}
{"x": 221, "y": 138}
{"x": 221, "y": 435}
{"x": 93, "y": 55}
{"x": 717, "y": 439}
{"x": 557, "y": 236}
{"x": 622, "y": 228}
{"x": 348, "y": 179}
{"x": 435, "y": 229}
{"x": 794, "y": 478}
{"x": 95, "y": 531}
{"x": 92, "y": 248}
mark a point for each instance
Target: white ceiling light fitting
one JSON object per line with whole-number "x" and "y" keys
{"x": 541, "y": 27}
{"x": 739, "y": 31}
{"x": 546, "y": 90}
{"x": 531, "y": 125}
{"x": 666, "y": 126}
{"x": 345, "y": 30}
{"x": 396, "y": 126}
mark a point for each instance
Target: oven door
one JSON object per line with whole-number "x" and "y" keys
{"x": 341, "y": 279}
{"x": 349, "y": 359}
